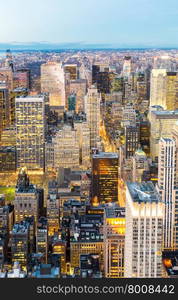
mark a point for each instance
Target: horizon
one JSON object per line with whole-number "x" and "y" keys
{"x": 115, "y": 24}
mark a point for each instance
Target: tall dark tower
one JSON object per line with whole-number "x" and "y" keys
{"x": 104, "y": 178}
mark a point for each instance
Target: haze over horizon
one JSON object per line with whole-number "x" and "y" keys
{"x": 114, "y": 23}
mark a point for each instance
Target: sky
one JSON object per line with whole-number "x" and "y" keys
{"x": 108, "y": 22}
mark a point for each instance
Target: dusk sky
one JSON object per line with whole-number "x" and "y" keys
{"x": 114, "y": 22}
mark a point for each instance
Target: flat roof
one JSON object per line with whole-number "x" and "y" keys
{"x": 143, "y": 192}
{"x": 105, "y": 155}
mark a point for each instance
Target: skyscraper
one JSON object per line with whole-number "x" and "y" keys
{"x": 26, "y": 202}
{"x": 104, "y": 178}
{"x": 53, "y": 82}
{"x": 132, "y": 140}
{"x": 66, "y": 148}
{"x": 144, "y": 231}
{"x": 30, "y": 129}
{"x": 114, "y": 241}
{"x": 93, "y": 100}
{"x": 162, "y": 123}
{"x": 167, "y": 187}
{"x": 4, "y": 104}
{"x": 127, "y": 66}
{"x": 164, "y": 89}
{"x": 158, "y": 87}
{"x": 20, "y": 243}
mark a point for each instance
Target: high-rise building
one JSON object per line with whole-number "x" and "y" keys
{"x": 101, "y": 78}
{"x": 127, "y": 66}
{"x": 4, "y": 105}
{"x": 20, "y": 243}
{"x": 79, "y": 87}
{"x": 164, "y": 89}
{"x": 114, "y": 241}
{"x": 161, "y": 125}
{"x": 30, "y": 130}
{"x": 26, "y": 202}
{"x": 144, "y": 231}
{"x": 52, "y": 214}
{"x": 132, "y": 139}
{"x": 66, "y": 148}
{"x": 104, "y": 178}
{"x": 18, "y": 92}
{"x": 172, "y": 91}
{"x": 140, "y": 164}
{"x": 83, "y": 134}
{"x": 72, "y": 69}
{"x": 158, "y": 87}
{"x": 42, "y": 239}
{"x": 53, "y": 82}
{"x": 21, "y": 79}
{"x": 167, "y": 188}
{"x": 93, "y": 100}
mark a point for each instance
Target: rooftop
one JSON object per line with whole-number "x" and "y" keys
{"x": 143, "y": 192}
{"x": 105, "y": 155}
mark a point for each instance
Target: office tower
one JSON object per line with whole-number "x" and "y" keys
{"x": 139, "y": 165}
{"x": 93, "y": 100}
{"x": 145, "y": 136}
{"x": 30, "y": 123}
{"x": 161, "y": 125}
{"x": 104, "y": 178}
{"x": 175, "y": 137}
{"x": 158, "y": 87}
{"x": 72, "y": 69}
{"x": 144, "y": 231}
{"x": 172, "y": 91}
{"x": 66, "y": 148}
{"x": 7, "y": 73}
{"x": 53, "y": 82}
{"x": 164, "y": 89}
{"x": 71, "y": 103}
{"x": 114, "y": 241}
{"x": 101, "y": 78}
{"x": 4, "y": 220}
{"x": 4, "y": 105}
{"x": 8, "y": 137}
{"x": 79, "y": 88}
{"x": 83, "y": 135}
{"x": 42, "y": 239}
{"x": 52, "y": 214}
{"x": 141, "y": 88}
{"x": 127, "y": 66}
{"x": 7, "y": 159}
{"x": 21, "y": 79}
{"x": 20, "y": 243}
{"x": 129, "y": 115}
{"x": 132, "y": 139}
{"x": 26, "y": 202}
{"x": 59, "y": 248}
{"x": 18, "y": 92}
{"x": 167, "y": 188}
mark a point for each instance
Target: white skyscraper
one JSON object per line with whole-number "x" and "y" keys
{"x": 144, "y": 231}
{"x": 167, "y": 187}
{"x": 114, "y": 240}
{"x": 93, "y": 100}
{"x": 158, "y": 87}
{"x": 66, "y": 148}
{"x": 53, "y": 82}
{"x": 30, "y": 123}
